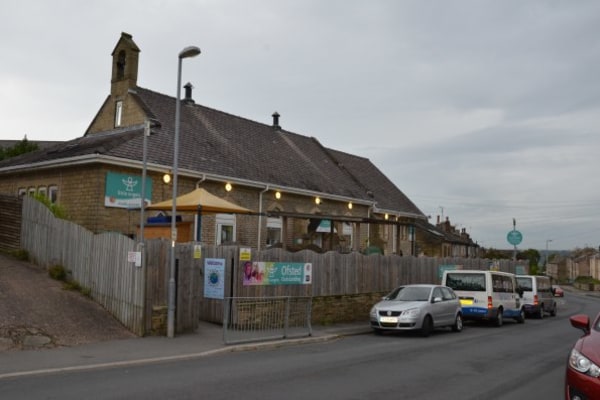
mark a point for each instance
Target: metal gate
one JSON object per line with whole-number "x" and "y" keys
{"x": 248, "y": 319}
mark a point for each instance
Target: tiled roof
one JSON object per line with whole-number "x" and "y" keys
{"x": 214, "y": 142}
{"x": 387, "y": 195}
{"x": 101, "y": 143}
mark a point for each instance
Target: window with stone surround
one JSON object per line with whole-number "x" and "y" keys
{"x": 118, "y": 113}
{"x": 53, "y": 193}
{"x": 225, "y": 228}
{"x": 274, "y": 230}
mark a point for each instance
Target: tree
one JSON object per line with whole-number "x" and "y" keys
{"x": 495, "y": 254}
{"x": 22, "y": 147}
{"x": 534, "y": 258}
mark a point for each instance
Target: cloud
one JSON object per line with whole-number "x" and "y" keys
{"x": 488, "y": 110}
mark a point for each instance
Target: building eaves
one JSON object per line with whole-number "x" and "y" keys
{"x": 100, "y": 143}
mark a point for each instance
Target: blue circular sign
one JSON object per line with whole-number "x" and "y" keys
{"x": 514, "y": 237}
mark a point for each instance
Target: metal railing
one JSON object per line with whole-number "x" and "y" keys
{"x": 249, "y": 319}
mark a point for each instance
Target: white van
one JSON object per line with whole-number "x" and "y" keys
{"x": 486, "y": 295}
{"x": 537, "y": 295}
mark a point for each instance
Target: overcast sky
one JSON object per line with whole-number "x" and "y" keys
{"x": 479, "y": 111}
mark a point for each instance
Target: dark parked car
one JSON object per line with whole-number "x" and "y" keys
{"x": 417, "y": 307}
{"x": 582, "y": 381}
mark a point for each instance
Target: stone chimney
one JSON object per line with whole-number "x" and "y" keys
{"x": 276, "y": 120}
{"x": 188, "y": 94}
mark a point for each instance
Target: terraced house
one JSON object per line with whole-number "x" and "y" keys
{"x": 300, "y": 194}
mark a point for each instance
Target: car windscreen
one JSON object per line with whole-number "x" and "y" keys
{"x": 414, "y": 294}
{"x": 470, "y": 282}
{"x": 394, "y": 293}
{"x": 525, "y": 283}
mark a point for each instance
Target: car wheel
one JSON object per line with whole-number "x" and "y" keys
{"x": 553, "y": 312}
{"x": 521, "y": 318}
{"x": 458, "y": 324}
{"x": 427, "y": 326}
{"x": 499, "y": 320}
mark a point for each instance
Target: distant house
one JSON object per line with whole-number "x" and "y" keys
{"x": 301, "y": 194}
{"x": 445, "y": 240}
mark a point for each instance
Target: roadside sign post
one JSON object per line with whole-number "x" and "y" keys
{"x": 514, "y": 237}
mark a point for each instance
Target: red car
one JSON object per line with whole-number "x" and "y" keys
{"x": 582, "y": 380}
{"x": 557, "y": 291}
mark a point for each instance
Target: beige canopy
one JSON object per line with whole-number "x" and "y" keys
{"x": 192, "y": 201}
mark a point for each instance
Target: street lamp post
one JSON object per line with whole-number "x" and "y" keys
{"x": 187, "y": 52}
{"x": 546, "y": 261}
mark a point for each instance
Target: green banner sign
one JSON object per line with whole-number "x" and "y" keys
{"x": 125, "y": 191}
{"x": 276, "y": 273}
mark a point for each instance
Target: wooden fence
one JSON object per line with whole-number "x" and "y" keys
{"x": 138, "y": 296}
{"x": 97, "y": 262}
{"x": 10, "y": 218}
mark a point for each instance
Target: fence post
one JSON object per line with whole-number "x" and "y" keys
{"x": 286, "y": 318}
{"x": 226, "y": 308}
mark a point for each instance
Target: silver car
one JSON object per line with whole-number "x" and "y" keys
{"x": 417, "y": 307}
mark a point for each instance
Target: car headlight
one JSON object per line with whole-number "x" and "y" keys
{"x": 373, "y": 312}
{"x": 581, "y": 363}
{"x": 411, "y": 313}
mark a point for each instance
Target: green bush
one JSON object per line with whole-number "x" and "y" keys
{"x": 58, "y": 272}
{"x": 586, "y": 279}
{"x": 56, "y": 209}
{"x": 20, "y": 254}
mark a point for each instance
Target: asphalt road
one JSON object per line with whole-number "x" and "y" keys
{"x": 516, "y": 361}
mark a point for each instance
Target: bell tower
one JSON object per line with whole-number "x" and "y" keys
{"x": 120, "y": 108}
{"x": 124, "y": 66}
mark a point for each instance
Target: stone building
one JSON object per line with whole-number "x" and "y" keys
{"x": 301, "y": 194}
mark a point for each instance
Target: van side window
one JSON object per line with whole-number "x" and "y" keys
{"x": 502, "y": 284}
{"x": 525, "y": 283}
{"x": 473, "y": 282}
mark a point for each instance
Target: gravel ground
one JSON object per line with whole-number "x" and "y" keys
{"x": 36, "y": 312}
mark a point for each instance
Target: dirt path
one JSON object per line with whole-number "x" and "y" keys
{"x": 36, "y": 312}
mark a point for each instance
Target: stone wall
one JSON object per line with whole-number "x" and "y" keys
{"x": 328, "y": 310}
{"x": 81, "y": 190}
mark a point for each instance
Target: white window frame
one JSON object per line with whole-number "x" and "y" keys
{"x": 118, "y": 113}
{"x": 222, "y": 220}
{"x": 274, "y": 224}
{"x": 348, "y": 230}
{"x": 53, "y": 193}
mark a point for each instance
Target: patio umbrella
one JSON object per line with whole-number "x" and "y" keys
{"x": 200, "y": 199}
{"x": 202, "y": 202}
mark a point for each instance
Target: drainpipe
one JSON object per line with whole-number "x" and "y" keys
{"x": 200, "y": 181}
{"x": 371, "y": 208}
{"x": 260, "y": 214}
{"x": 199, "y": 214}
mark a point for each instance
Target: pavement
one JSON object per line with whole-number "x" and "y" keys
{"x": 206, "y": 341}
